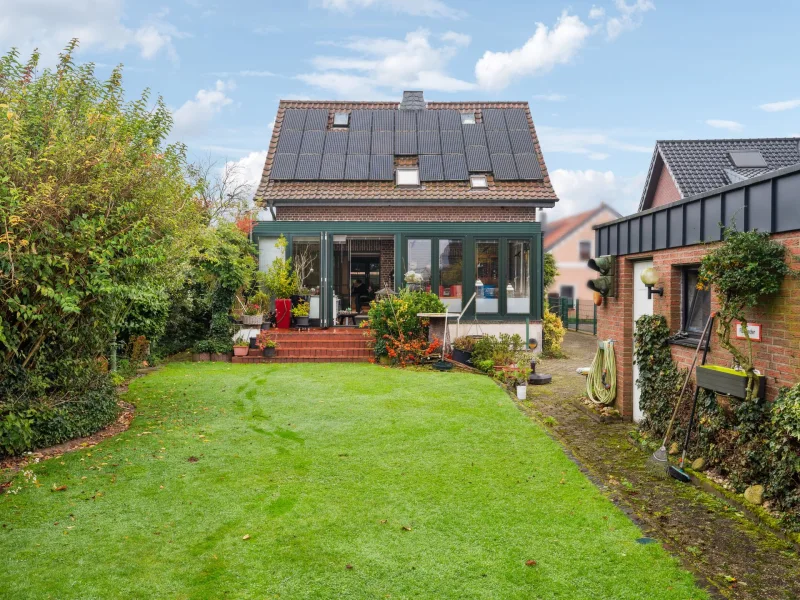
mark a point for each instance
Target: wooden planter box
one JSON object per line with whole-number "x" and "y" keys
{"x": 201, "y": 357}
{"x": 728, "y": 382}
{"x": 220, "y": 357}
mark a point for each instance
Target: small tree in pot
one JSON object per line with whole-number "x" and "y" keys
{"x": 300, "y": 313}
{"x": 282, "y": 282}
{"x": 266, "y": 344}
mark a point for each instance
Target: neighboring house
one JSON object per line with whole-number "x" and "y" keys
{"x": 720, "y": 182}
{"x": 683, "y": 168}
{"x": 571, "y": 242}
{"x": 369, "y": 191}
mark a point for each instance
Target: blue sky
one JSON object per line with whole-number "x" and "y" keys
{"x": 605, "y": 79}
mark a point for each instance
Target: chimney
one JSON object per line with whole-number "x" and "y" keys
{"x": 413, "y": 100}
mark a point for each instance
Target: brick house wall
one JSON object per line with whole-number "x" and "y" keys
{"x": 666, "y": 192}
{"x": 777, "y": 356}
{"x": 423, "y": 214}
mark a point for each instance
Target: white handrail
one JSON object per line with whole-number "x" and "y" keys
{"x": 458, "y": 322}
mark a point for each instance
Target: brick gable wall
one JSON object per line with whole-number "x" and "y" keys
{"x": 777, "y": 356}
{"x": 666, "y": 191}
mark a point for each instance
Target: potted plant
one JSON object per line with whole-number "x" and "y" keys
{"x": 462, "y": 349}
{"x": 240, "y": 348}
{"x": 300, "y": 313}
{"x": 282, "y": 282}
{"x": 251, "y": 314}
{"x": 518, "y": 378}
{"x": 266, "y": 344}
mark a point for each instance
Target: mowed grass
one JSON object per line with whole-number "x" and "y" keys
{"x": 351, "y": 481}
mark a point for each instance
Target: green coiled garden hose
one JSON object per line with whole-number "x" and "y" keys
{"x": 601, "y": 383}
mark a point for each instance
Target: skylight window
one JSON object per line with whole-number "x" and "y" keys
{"x": 407, "y": 177}
{"x": 341, "y": 119}
{"x": 478, "y": 182}
{"x": 468, "y": 118}
{"x": 747, "y": 159}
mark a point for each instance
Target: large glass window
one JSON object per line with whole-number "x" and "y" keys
{"x": 695, "y": 304}
{"x": 305, "y": 261}
{"x": 418, "y": 275}
{"x": 518, "y": 280}
{"x": 487, "y": 272}
{"x": 451, "y": 273}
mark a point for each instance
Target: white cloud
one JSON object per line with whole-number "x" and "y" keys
{"x": 546, "y": 49}
{"x": 194, "y": 117}
{"x": 723, "y": 124}
{"x": 597, "y": 12}
{"x": 591, "y": 143}
{"x": 458, "y": 39}
{"x": 630, "y": 17}
{"x": 49, "y": 24}
{"x": 245, "y": 73}
{"x": 582, "y": 190}
{"x": 381, "y": 65}
{"x": 247, "y": 171}
{"x": 550, "y": 97}
{"x": 779, "y": 106}
{"x": 419, "y": 8}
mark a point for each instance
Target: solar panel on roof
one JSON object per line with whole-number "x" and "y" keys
{"x": 452, "y": 142}
{"x": 316, "y": 119}
{"x": 498, "y": 142}
{"x": 455, "y": 167}
{"x": 747, "y": 159}
{"x": 357, "y": 167}
{"x": 478, "y": 159}
{"x": 293, "y": 118}
{"x": 383, "y": 120}
{"x": 336, "y": 142}
{"x": 405, "y": 120}
{"x": 474, "y": 135}
{"x": 359, "y": 142}
{"x": 521, "y": 141}
{"x": 428, "y": 120}
{"x": 528, "y": 166}
{"x": 313, "y": 142}
{"x": 449, "y": 119}
{"x": 382, "y": 142}
{"x": 308, "y": 166}
{"x": 516, "y": 118}
{"x": 405, "y": 143}
{"x": 493, "y": 119}
{"x": 332, "y": 166}
{"x": 504, "y": 167}
{"x": 289, "y": 141}
{"x": 429, "y": 142}
{"x": 361, "y": 120}
{"x": 430, "y": 168}
{"x": 381, "y": 168}
{"x": 283, "y": 166}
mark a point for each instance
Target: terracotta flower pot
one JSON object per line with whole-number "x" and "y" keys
{"x": 240, "y": 350}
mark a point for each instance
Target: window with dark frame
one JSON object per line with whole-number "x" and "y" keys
{"x": 567, "y": 291}
{"x": 585, "y": 250}
{"x": 695, "y": 304}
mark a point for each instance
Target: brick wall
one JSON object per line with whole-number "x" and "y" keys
{"x": 777, "y": 356}
{"x": 510, "y": 214}
{"x": 666, "y": 190}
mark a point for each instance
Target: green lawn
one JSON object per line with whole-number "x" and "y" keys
{"x": 429, "y": 485}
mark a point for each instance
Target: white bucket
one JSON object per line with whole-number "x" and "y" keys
{"x": 522, "y": 392}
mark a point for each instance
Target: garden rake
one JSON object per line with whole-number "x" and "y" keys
{"x": 660, "y": 458}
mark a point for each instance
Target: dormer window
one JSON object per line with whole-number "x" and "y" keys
{"x": 478, "y": 182}
{"x": 341, "y": 119}
{"x": 407, "y": 177}
{"x": 468, "y": 118}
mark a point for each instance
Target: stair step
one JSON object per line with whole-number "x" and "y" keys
{"x": 264, "y": 360}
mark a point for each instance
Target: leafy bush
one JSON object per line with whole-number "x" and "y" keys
{"x": 552, "y": 334}
{"x": 502, "y": 350}
{"x": 394, "y": 318}
{"x": 281, "y": 280}
{"x": 465, "y": 343}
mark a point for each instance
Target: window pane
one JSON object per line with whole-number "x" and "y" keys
{"x": 585, "y": 250}
{"x": 419, "y": 264}
{"x": 518, "y": 281}
{"x": 695, "y": 317}
{"x": 451, "y": 273}
{"x": 487, "y": 267}
{"x": 305, "y": 260}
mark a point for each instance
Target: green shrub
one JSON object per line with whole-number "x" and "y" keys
{"x": 505, "y": 349}
{"x": 393, "y": 317}
{"x": 552, "y": 334}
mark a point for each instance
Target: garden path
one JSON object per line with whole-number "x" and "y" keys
{"x": 736, "y": 557}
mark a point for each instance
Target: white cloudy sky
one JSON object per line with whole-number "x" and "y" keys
{"x": 605, "y": 78}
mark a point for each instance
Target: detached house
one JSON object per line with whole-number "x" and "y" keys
{"x": 444, "y": 194}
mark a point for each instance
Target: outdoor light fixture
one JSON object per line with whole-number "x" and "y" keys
{"x": 510, "y": 290}
{"x": 649, "y": 279}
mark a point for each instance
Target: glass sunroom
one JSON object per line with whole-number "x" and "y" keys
{"x": 344, "y": 265}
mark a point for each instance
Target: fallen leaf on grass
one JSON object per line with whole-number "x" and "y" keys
{"x": 384, "y": 521}
{"x": 246, "y": 536}
{"x": 192, "y": 459}
{"x": 349, "y": 567}
{"x": 60, "y": 488}
{"x": 530, "y": 563}
{"x": 406, "y": 528}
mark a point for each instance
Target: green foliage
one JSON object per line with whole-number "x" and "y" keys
{"x": 281, "y": 280}
{"x": 465, "y": 343}
{"x": 302, "y": 309}
{"x": 659, "y": 377}
{"x": 502, "y": 350}
{"x": 395, "y": 317}
{"x": 552, "y": 334}
{"x": 96, "y": 217}
{"x": 550, "y": 271}
{"x": 742, "y": 270}
{"x": 16, "y": 434}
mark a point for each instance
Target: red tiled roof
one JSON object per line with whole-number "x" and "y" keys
{"x": 557, "y": 230}
{"x": 457, "y": 192}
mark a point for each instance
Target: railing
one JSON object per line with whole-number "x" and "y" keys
{"x": 466, "y": 306}
{"x": 574, "y": 314}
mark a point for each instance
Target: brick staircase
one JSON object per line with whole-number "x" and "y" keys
{"x": 314, "y": 345}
